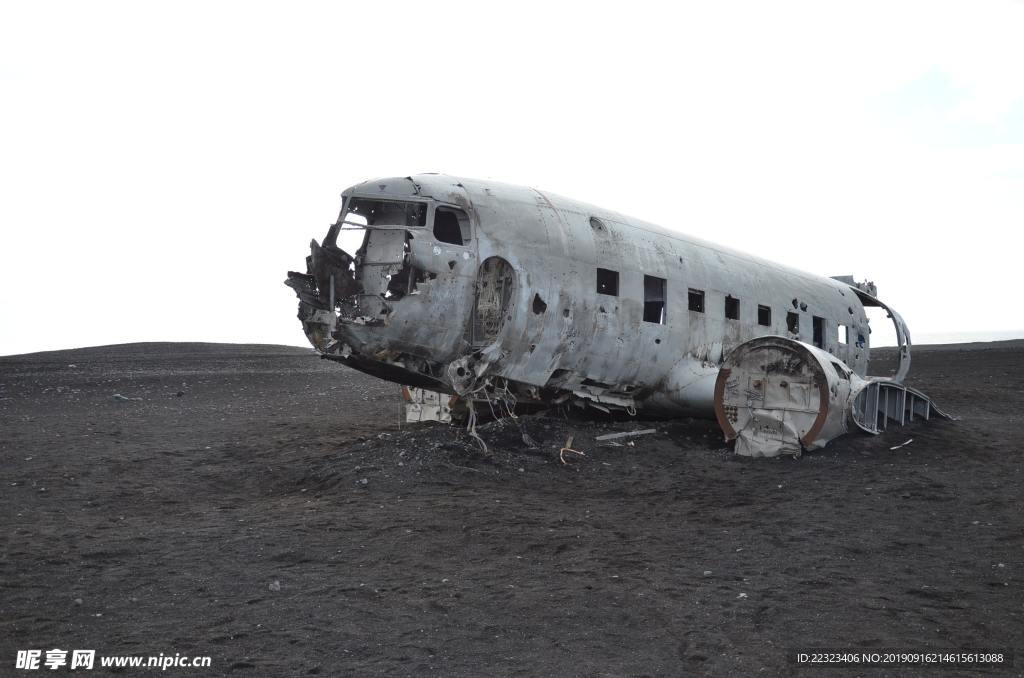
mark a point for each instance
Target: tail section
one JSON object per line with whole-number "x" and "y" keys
{"x": 776, "y": 395}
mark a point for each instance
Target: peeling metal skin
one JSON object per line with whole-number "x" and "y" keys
{"x": 464, "y": 286}
{"x": 778, "y": 396}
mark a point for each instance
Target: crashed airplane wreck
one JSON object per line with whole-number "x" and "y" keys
{"x": 491, "y": 292}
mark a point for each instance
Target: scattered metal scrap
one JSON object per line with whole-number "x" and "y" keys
{"x": 567, "y": 449}
{"x": 626, "y": 434}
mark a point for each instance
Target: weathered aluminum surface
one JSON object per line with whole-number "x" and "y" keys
{"x": 516, "y": 303}
{"x": 423, "y": 405}
{"x": 779, "y": 396}
{"x": 879, "y": 402}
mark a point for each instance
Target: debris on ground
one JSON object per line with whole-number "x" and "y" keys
{"x": 567, "y": 448}
{"x": 626, "y": 434}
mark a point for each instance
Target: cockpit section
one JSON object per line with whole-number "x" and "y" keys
{"x": 392, "y": 283}
{"x": 375, "y": 234}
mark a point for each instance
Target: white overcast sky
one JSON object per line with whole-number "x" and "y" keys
{"x": 162, "y": 165}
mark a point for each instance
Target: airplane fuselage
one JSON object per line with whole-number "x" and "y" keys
{"x": 459, "y": 285}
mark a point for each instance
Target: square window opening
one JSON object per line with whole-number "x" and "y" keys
{"x": 764, "y": 315}
{"x": 793, "y": 322}
{"x": 607, "y": 282}
{"x": 844, "y": 335}
{"x": 732, "y": 308}
{"x": 349, "y": 234}
{"x": 451, "y": 225}
{"x": 696, "y": 300}
{"x": 654, "y": 299}
{"x": 818, "y": 325}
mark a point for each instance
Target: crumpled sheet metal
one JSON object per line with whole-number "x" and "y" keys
{"x": 776, "y": 396}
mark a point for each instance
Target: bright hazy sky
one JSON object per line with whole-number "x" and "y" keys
{"x": 162, "y": 165}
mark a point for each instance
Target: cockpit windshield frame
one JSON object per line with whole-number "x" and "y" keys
{"x": 359, "y": 214}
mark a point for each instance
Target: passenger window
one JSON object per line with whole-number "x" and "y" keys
{"x": 818, "y": 325}
{"x": 764, "y": 315}
{"x": 451, "y": 225}
{"x": 607, "y": 282}
{"x": 844, "y": 335}
{"x": 696, "y": 300}
{"x": 654, "y": 299}
{"x": 732, "y": 308}
{"x": 793, "y": 322}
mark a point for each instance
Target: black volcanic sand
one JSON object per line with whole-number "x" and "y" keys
{"x": 263, "y": 506}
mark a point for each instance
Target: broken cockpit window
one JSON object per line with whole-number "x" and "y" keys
{"x": 451, "y": 225}
{"x": 351, "y": 234}
{"x": 360, "y": 213}
{"x": 388, "y": 212}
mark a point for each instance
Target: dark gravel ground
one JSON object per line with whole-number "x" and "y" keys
{"x": 264, "y": 507}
